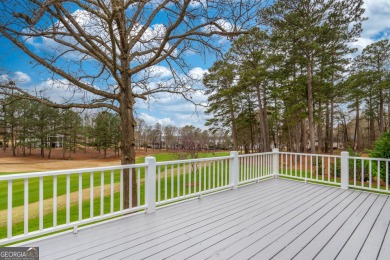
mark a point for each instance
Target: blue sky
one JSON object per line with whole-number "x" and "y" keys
{"x": 168, "y": 109}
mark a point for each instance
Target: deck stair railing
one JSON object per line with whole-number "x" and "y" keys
{"x": 33, "y": 204}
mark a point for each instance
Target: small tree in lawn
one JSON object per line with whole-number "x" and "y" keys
{"x": 106, "y": 131}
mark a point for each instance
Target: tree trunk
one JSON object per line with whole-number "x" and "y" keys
{"x": 262, "y": 119}
{"x": 13, "y": 141}
{"x": 345, "y": 133}
{"x": 303, "y": 136}
{"x": 319, "y": 127}
{"x": 357, "y": 126}
{"x": 267, "y": 141}
{"x": 289, "y": 148}
{"x": 331, "y": 125}
{"x": 128, "y": 123}
{"x": 381, "y": 112}
{"x": 234, "y": 131}
{"x": 338, "y": 133}
{"x": 371, "y": 122}
{"x": 327, "y": 128}
{"x": 24, "y": 145}
{"x": 297, "y": 138}
{"x": 388, "y": 115}
{"x": 276, "y": 134}
{"x": 42, "y": 148}
{"x": 310, "y": 105}
{"x": 64, "y": 146}
{"x": 4, "y": 143}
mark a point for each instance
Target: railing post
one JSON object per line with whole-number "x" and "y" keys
{"x": 234, "y": 169}
{"x": 275, "y": 162}
{"x": 150, "y": 181}
{"x": 344, "y": 170}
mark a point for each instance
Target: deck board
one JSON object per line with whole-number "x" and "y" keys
{"x": 276, "y": 218}
{"x": 385, "y": 246}
{"x": 374, "y": 240}
{"x": 212, "y": 234}
{"x": 341, "y": 237}
{"x": 312, "y": 241}
{"x": 260, "y": 240}
{"x": 355, "y": 243}
{"x": 290, "y": 243}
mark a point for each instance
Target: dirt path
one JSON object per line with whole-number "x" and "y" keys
{"x": 12, "y": 165}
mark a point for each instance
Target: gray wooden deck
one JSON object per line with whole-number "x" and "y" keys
{"x": 277, "y": 218}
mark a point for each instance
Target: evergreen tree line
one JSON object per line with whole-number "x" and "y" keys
{"x": 296, "y": 83}
{"x": 26, "y": 125}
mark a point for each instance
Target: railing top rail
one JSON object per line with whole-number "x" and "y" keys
{"x": 312, "y": 154}
{"x": 255, "y": 154}
{"x": 195, "y": 160}
{"x": 368, "y": 158}
{"x": 62, "y": 172}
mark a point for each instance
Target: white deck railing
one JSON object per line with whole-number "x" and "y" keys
{"x": 371, "y": 174}
{"x": 39, "y": 203}
{"x": 310, "y": 167}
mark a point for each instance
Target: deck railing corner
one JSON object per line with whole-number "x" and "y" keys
{"x": 234, "y": 169}
{"x": 275, "y": 160}
{"x": 344, "y": 170}
{"x": 150, "y": 182}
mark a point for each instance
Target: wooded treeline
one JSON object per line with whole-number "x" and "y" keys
{"x": 26, "y": 125}
{"x": 296, "y": 84}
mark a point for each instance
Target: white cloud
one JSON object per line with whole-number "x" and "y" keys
{"x": 361, "y": 43}
{"x": 197, "y": 73}
{"x": 377, "y": 26}
{"x": 151, "y": 120}
{"x": 378, "y": 13}
{"x": 159, "y": 71}
{"x": 18, "y": 77}
{"x": 179, "y": 111}
{"x": 62, "y": 91}
{"x": 175, "y": 118}
{"x": 4, "y": 78}
{"x": 21, "y": 77}
{"x": 198, "y": 3}
{"x": 222, "y": 25}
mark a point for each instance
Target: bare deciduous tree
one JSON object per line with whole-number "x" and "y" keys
{"x": 110, "y": 49}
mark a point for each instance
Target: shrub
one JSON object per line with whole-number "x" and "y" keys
{"x": 352, "y": 166}
{"x": 381, "y": 149}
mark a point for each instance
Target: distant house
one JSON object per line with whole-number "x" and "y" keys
{"x": 3, "y": 132}
{"x": 55, "y": 141}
